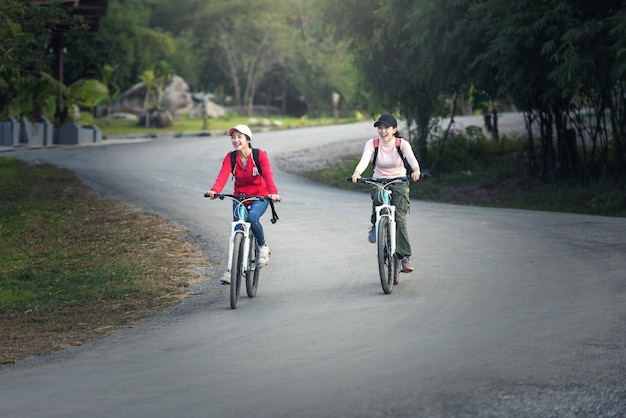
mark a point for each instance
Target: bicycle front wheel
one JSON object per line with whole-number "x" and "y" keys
{"x": 386, "y": 260}
{"x": 236, "y": 270}
{"x": 252, "y": 276}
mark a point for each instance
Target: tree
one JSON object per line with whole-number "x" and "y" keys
{"x": 124, "y": 40}
{"x": 411, "y": 55}
{"x": 25, "y": 30}
{"x": 149, "y": 81}
{"x": 249, "y": 43}
{"x": 317, "y": 63}
{"x": 557, "y": 60}
{"x": 107, "y": 73}
{"x": 154, "y": 81}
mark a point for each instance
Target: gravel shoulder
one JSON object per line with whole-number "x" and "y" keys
{"x": 319, "y": 158}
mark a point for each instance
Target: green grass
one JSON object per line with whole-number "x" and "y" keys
{"x": 74, "y": 265}
{"x": 119, "y": 127}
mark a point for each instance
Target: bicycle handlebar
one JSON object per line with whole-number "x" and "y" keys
{"x": 381, "y": 181}
{"x": 243, "y": 198}
{"x": 239, "y": 197}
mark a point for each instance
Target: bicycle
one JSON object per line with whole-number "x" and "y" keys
{"x": 243, "y": 250}
{"x": 389, "y": 263}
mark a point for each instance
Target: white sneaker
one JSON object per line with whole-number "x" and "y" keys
{"x": 226, "y": 278}
{"x": 264, "y": 255}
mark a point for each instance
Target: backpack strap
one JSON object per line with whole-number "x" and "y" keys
{"x": 255, "y": 161}
{"x": 398, "y": 142}
{"x": 233, "y": 162}
{"x": 375, "y": 151}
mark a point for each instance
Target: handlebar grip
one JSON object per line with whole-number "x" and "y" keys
{"x": 349, "y": 180}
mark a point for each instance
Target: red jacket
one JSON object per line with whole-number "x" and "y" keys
{"x": 247, "y": 181}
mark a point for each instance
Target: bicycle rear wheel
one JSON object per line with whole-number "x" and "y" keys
{"x": 236, "y": 270}
{"x": 386, "y": 260}
{"x": 252, "y": 276}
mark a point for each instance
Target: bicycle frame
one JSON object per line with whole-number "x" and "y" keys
{"x": 386, "y": 209}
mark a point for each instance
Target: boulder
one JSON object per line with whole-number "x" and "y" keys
{"x": 159, "y": 118}
{"x": 212, "y": 109}
{"x": 176, "y": 98}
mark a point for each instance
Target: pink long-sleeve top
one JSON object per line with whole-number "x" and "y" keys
{"x": 389, "y": 164}
{"x": 248, "y": 181}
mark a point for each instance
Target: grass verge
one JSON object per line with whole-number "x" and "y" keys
{"x": 119, "y": 127}
{"x": 500, "y": 182}
{"x": 75, "y": 266}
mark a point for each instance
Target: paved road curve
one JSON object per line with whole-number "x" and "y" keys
{"x": 510, "y": 313}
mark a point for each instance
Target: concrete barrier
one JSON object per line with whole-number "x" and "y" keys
{"x": 6, "y": 134}
{"x": 74, "y": 134}
{"x": 37, "y": 133}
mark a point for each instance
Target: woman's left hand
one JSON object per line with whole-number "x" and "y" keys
{"x": 274, "y": 197}
{"x": 415, "y": 175}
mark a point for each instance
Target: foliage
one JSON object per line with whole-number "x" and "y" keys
{"x": 560, "y": 62}
{"x": 314, "y": 50}
{"x": 126, "y": 40}
{"x": 25, "y": 29}
{"x": 77, "y": 101}
{"x": 264, "y": 52}
{"x": 556, "y": 60}
{"x": 476, "y": 171}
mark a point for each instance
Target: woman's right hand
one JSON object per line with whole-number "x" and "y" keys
{"x": 356, "y": 176}
{"x": 210, "y": 194}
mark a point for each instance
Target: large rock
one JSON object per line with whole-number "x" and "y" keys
{"x": 212, "y": 110}
{"x": 159, "y": 118}
{"x": 176, "y": 98}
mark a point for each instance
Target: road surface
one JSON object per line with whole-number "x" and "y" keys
{"x": 509, "y": 313}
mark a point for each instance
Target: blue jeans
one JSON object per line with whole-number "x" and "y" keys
{"x": 256, "y": 209}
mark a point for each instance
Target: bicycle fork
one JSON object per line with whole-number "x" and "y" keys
{"x": 391, "y": 215}
{"x": 245, "y": 231}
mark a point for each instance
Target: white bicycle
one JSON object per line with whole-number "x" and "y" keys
{"x": 389, "y": 263}
{"x": 243, "y": 251}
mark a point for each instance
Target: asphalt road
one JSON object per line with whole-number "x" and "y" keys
{"x": 509, "y": 313}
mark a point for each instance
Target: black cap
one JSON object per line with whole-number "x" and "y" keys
{"x": 386, "y": 120}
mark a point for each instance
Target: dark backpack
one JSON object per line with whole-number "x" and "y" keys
{"x": 407, "y": 166}
{"x": 255, "y": 161}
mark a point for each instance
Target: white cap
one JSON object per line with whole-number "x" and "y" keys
{"x": 241, "y": 128}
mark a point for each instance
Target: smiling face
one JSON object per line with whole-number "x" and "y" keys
{"x": 239, "y": 141}
{"x": 386, "y": 133}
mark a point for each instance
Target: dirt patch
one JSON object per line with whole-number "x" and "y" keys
{"x": 319, "y": 158}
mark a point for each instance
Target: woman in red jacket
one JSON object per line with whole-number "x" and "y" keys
{"x": 249, "y": 180}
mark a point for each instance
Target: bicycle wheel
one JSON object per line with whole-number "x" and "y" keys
{"x": 252, "y": 276}
{"x": 386, "y": 260}
{"x": 236, "y": 270}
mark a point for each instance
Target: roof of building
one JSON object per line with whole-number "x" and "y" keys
{"x": 92, "y": 11}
